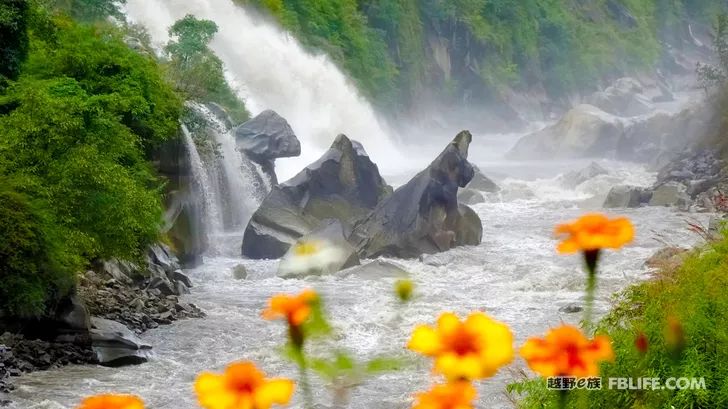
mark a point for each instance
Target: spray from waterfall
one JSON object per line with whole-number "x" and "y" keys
{"x": 271, "y": 70}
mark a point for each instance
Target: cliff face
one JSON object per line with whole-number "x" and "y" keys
{"x": 477, "y": 52}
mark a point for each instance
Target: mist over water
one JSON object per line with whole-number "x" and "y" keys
{"x": 271, "y": 70}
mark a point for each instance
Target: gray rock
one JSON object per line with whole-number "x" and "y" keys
{"x": 482, "y": 182}
{"x": 335, "y": 253}
{"x": 375, "y": 270}
{"x": 113, "y": 268}
{"x": 73, "y": 315}
{"x": 344, "y": 184}
{"x": 575, "y": 178}
{"x": 626, "y": 196}
{"x": 423, "y": 216}
{"x": 670, "y": 194}
{"x": 585, "y": 131}
{"x": 265, "y": 138}
{"x": 623, "y": 98}
{"x": 115, "y": 345}
{"x": 164, "y": 286}
{"x": 179, "y": 276}
{"x": 571, "y": 309}
{"x": 470, "y": 196}
{"x": 240, "y": 272}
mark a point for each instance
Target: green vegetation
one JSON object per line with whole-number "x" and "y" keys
{"x": 474, "y": 49}
{"x": 196, "y": 71}
{"x": 14, "y": 16}
{"x": 77, "y": 128}
{"x": 681, "y": 312}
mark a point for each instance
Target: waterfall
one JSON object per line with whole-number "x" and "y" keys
{"x": 231, "y": 185}
{"x": 270, "y": 70}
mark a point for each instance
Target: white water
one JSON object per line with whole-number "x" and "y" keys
{"x": 272, "y": 71}
{"x": 233, "y": 187}
{"x": 514, "y": 274}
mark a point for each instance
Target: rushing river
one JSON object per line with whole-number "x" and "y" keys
{"x": 514, "y": 274}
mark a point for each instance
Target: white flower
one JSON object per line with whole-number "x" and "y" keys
{"x": 312, "y": 257}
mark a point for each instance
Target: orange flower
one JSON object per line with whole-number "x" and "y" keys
{"x": 456, "y": 395}
{"x": 566, "y": 352}
{"x": 112, "y": 402}
{"x": 242, "y": 386}
{"x": 594, "y": 232}
{"x": 294, "y": 308}
{"x": 471, "y": 349}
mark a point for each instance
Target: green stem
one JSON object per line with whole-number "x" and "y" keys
{"x": 563, "y": 398}
{"x": 591, "y": 259}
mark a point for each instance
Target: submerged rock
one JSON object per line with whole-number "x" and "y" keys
{"x": 424, "y": 216}
{"x": 344, "y": 184}
{"x": 266, "y": 138}
{"x": 376, "y": 270}
{"x": 575, "y": 178}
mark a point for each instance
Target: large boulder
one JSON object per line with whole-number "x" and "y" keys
{"x": 585, "y": 131}
{"x": 423, "y": 216}
{"x": 331, "y": 252}
{"x": 115, "y": 345}
{"x": 627, "y": 196}
{"x": 376, "y": 270}
{"x": 670, "y": 194}
{"x": 265, "y": 138}
{"x": 575, "y": 178}
{"x": 624, "y": 98}
{"x": 482, "y": 183}
{"x": 344, "y": 184}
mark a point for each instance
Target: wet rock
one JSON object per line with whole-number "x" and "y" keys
{"x": 482, "y": 183}
{"x": 375, "y": 270}
{"x": 627, "y": 196}
{"x": 470, "y": 196}
{"x": 667, "y": 257}
{"x": 571, "y": 309}
{"x": 423, "y": 216}
{"x": 344, "y": 184}
{"x": 585, "y": 131}
{"x": 240, "y": 272}
{"x": 573, "y": 179}
{"x": 115, "y": 345}
{"x": 670, "y": 194}
{"x": 179, "y": 276}
{"x": 265, "y": 138}
{"x": 333, "y": 253}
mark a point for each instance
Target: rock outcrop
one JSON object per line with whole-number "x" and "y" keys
{"x": 623, "y": 98}
{"x": 265, "y": 138}
{"x": 423, "y": 216}
{"x": 585, "y": 131}
{"x": 344, "y": 184}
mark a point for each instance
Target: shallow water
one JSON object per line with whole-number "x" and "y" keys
{"x": 514, "y": 274}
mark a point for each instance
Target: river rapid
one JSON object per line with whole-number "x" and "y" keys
{"x": 514, "y": 275}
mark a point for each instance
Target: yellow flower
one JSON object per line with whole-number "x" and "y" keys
{"x": 312, "y": 257}
{"x": 242, "y": 386}
{"x": 455, "y": 395}
{"x": 565, "y": 351}
{"x": 471, "y": 349}
{"x": 594, "y": 232}
{"x": 293, "y": 308}
{"x": 306, "y": 248}
{"x": 404, "y": 289}
{"x": 112, "y": 402}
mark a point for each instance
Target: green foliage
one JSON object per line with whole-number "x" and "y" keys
{"x": 696, "y": 296}
{"x": 713, "y": 77}
{"x": 196, "y": 71}
{"x": 14, "y": 15}
{"x": 76, "y": 130}
{"x": 33, "y": 269}
{"x": 90, "y": 10}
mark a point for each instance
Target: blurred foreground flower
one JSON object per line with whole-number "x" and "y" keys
{"x": 565, "y": 351}
{"x": 313, "y": 257}
{"x": 112, "y": 402}
{"x": 472, "y": 349}
{"x": 404, "y": 289}
{"x": 592, "y": 233}
{"x": 295, "y": 309}
{"x": 242, "y": 386}
{"x": 455, "y": 395}
{"x": 675, "y": 337}
{"x": 641, "y": 343}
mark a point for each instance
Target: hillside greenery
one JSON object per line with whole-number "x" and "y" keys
{"x": 473, "y": 50}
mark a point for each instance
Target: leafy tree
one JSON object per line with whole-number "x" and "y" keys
{"x": 713, "y": 77}
{"x": 91, "y": 10}
{"x": 195, "y": 70}
{"x": 14, "y": 15}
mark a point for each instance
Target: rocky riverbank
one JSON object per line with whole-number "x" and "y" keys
{"x": 113, "y": 303}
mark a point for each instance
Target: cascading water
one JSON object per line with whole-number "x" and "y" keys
{"x": 232, "y": 186}
{"x": 273, "y": 71}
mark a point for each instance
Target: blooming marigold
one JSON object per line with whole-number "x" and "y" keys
{"x": 241, "y": 386}
{"x": 471, "y": 349}
{"x": 565, "y": 351}
{"x": 110, "y": 401}
{"x": 293, "y": 308}
{"x": 594, "y": 232}
{"x": 455, "y": 395}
